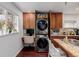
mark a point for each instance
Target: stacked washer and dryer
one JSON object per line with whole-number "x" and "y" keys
{"x": 41, "y": 32}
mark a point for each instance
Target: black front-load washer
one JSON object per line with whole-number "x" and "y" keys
{"x": 42, "y": 44}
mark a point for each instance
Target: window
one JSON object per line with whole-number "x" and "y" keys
{"x": 8, "y": 22}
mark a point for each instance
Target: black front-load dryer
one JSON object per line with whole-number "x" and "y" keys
{"x": 42, "y": 44}
{"x": 41, "y": 26}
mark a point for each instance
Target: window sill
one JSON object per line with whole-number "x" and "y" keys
{"x": 9, "y": 34}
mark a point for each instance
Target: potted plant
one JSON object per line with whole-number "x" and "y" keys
{"x": 1, "y": 26}
{"x": 9, "y": 25}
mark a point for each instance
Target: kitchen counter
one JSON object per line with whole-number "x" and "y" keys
{"x": 70, "y": 49}
{"x": 63, "y": 36}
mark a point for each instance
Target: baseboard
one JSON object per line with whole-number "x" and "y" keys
{"x": 18, "y": 52}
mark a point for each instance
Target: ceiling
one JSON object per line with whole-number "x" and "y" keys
{"x": 69, "y": 7}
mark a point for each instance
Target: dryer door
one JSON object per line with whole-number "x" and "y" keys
{"x": 42, "y": 24}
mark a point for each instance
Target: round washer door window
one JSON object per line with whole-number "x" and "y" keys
{"x": 42, "y": 43}
{"x": 42, "y": 24}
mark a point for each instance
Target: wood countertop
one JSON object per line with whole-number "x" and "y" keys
{"x": 70, "y": 49}
{"x": 63, "y": 36}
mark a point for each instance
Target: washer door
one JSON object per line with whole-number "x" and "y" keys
{"x": 42, "y": 24}
{"x": 42, "y": 43}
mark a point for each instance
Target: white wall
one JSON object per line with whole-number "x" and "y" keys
{"x": 11, "y": 44}
{"x": 68, "y": 20}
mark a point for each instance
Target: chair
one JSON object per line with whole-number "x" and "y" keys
{"x": 28, "y": 41}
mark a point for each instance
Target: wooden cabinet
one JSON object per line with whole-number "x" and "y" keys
{"x": 58, "y": 20}
{"x": 55, "y": 20}
{"x": 52, "y": 20}
{"x": 28, "y": 20}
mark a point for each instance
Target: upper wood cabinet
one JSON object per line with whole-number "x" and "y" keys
{"x": 55, "y": 20}
{"x": 58, "y": 20}
{"x": 52, "y": 20}
{"x": 28, "y": 20}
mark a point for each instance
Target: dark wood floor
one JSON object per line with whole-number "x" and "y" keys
{"x": 30, "y": 52}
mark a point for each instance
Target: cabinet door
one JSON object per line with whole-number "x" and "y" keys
{"x": 26, "y": 21}
{"x": 59, "y": 20}
{"x": 29, "y": 20}
{"x": 32, "y": 20}
{"x": 52, "y": 20}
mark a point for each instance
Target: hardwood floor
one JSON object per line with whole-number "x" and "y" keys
{"x": 30, "y": 52}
